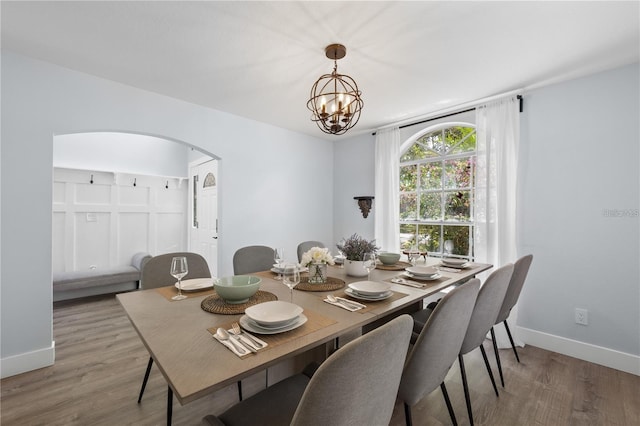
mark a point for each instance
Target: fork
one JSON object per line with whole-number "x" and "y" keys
{"x": 235, "y": 328}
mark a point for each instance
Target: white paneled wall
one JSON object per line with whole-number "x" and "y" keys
{"x": 103, "y": 224}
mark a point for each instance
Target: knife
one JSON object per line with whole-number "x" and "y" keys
{"x": 351, "y": 302}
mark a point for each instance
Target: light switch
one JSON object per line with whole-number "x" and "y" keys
{"x": 92, "y": 217}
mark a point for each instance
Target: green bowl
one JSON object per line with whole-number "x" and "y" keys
{"x": 238, "y": 288}
{"x": 388, "y": 258}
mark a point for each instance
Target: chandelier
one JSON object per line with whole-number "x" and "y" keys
{"x": 335, "y": 101}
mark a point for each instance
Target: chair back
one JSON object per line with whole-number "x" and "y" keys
{"x": 252, "y": 259}
{"x": 488, "y": 303}
{"x": 520, "y": 271}
{"x": 358, "y": 384}
{"x": 439, "y": 343}
{"x": 156, "y": 271}
{"x": 306, "y": 246}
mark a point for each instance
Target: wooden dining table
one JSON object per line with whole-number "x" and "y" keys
{"x": 178, "y": 334}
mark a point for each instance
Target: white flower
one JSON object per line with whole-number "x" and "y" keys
{"x": 316, "y": 255}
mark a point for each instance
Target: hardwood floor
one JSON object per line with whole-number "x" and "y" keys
{"x": 100, "y": 362}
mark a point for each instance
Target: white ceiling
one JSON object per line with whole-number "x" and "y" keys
{"x": 259, "y": 59}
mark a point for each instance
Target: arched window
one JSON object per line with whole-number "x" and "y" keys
{"x": 437, "y": 176}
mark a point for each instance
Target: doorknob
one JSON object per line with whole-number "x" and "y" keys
{"x": 215, "y": 238}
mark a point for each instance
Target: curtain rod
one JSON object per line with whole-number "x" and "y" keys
{"x": 519, "y": 97}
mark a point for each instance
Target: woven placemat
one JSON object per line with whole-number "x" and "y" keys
{"x": 398, "y": 266}
{"x": 331, "y": 284}
{"x": 216, "y": 304}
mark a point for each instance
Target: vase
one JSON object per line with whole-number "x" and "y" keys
{"x": 355, "y": 268}
{"x": 317, "y": 273}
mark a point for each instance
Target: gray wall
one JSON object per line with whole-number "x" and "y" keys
{"x": 263, "y": 199}
{"x": 579, "y": 157}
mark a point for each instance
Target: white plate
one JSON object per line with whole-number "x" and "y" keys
{"x": 196, "y": 284}
{"x": 370, "y": 288}
{"x": 453, "y": 262}
{"x": 249, "y": 325}
{"x": 273, "y": 327}
{"x": 356, "y": 295}
{"x": 421, "y": 278}
{"x": 422, "y": 271}
{"x": 280, "y": 271}
{"x": 273, "y": 313}
{"x": 339, "y": 259}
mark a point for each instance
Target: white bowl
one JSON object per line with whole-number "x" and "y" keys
{"x": 422, "y": 271}
{"x": 273, "y": 313}
{"x": 370, "y": 288}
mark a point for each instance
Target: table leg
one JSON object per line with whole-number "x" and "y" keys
{"x": 169, "y": 405}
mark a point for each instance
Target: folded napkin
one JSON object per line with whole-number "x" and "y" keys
{"x": 347, "y": 304}
{"x": 450, "y": 269}
{"x": 408, "y": 282}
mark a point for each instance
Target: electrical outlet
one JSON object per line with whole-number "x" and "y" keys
{"x": 582, "y": 316}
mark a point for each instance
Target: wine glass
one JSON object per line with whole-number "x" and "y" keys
{"x": 278, "y": 256}
{"x": 413, "y": 255}
{"x": 369, "y": 263}
{"x": 179, "y": 269}
{"x": 448, "y": 247}
{"x": 291, "y": 277}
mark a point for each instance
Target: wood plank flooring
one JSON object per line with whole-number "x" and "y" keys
{"x": 100, "y": 362}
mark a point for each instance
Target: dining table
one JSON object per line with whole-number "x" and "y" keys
{"x": 179, "y": 335}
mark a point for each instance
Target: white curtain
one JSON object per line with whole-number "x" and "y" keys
{"x": 387, "y": 188}
{"x": 497, "y": 140}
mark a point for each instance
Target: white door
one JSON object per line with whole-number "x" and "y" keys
{"x": 203, "y": 212}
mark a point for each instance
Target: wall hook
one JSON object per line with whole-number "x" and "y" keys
{"x": 167, "y": 185}
{"x": 91, "y": 181}
{"x": 134, "y": 181}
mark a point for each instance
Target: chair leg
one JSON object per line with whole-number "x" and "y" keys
{"x": 486, "y": 363}
{"x": 465, "y": 385}
{"x": 407, "y": 414}
{"x": 497, "y": 354}
{"x": 146, "y": 377}
{"x": 169, "y": 405}
{"x": 513, "y": 345}
{"x": 240, "y": 390}
{"x": 448, "y": 402}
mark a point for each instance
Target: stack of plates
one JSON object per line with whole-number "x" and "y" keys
{"x": 369, "y": 290}
{"x": 425, "y": 273}
{"x": 339, "y": 259}
{"x": 272, "y": 317}
{"x": 280, "y": 269}
{"x": 196, "y": 284}
{"x": 455, "y": 263}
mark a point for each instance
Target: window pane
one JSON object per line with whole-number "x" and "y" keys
{"x": 408, "y": 178}
{"x": 431, "y": 175}
{"x": 457, "y": 173}
{"x": 407, "y": 235}
{"x": 431, "y": 206}
{"x": 417, "y": 152}
{"x": 465, "y": 137}
{"x": 433, "y": 143}
{"x": 429, "y": 237}
{"x": 408, "y": 206}
{"x": 457, "y": 205}
{"x": 459, "y": 235}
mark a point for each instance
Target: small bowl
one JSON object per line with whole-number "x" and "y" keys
{"x": 238, "y": 288}
{"x": 388, "y": 258}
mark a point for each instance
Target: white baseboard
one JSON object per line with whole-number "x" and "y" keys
{"x": 585, "y": 351}
{"x": 17, "y": 364}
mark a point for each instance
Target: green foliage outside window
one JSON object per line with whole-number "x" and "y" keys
{"x": 436, "y": 190}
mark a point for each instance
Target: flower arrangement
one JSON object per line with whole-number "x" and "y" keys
{"x": 316, "y": 255}
{"x": 355, "y": 247}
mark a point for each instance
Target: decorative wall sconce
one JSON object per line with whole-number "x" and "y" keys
{"x": 365, "y": 203}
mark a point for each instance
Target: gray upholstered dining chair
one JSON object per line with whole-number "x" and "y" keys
{"x": 484, "y": 315}
{"x": 436, "y": 347}
{"x": 156, "y": 273}
{"x": 252, "y": 259}
{"x": 520, "y": 271}
{"x": 306, "y": 246}
{"x": 356, "y": 385}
